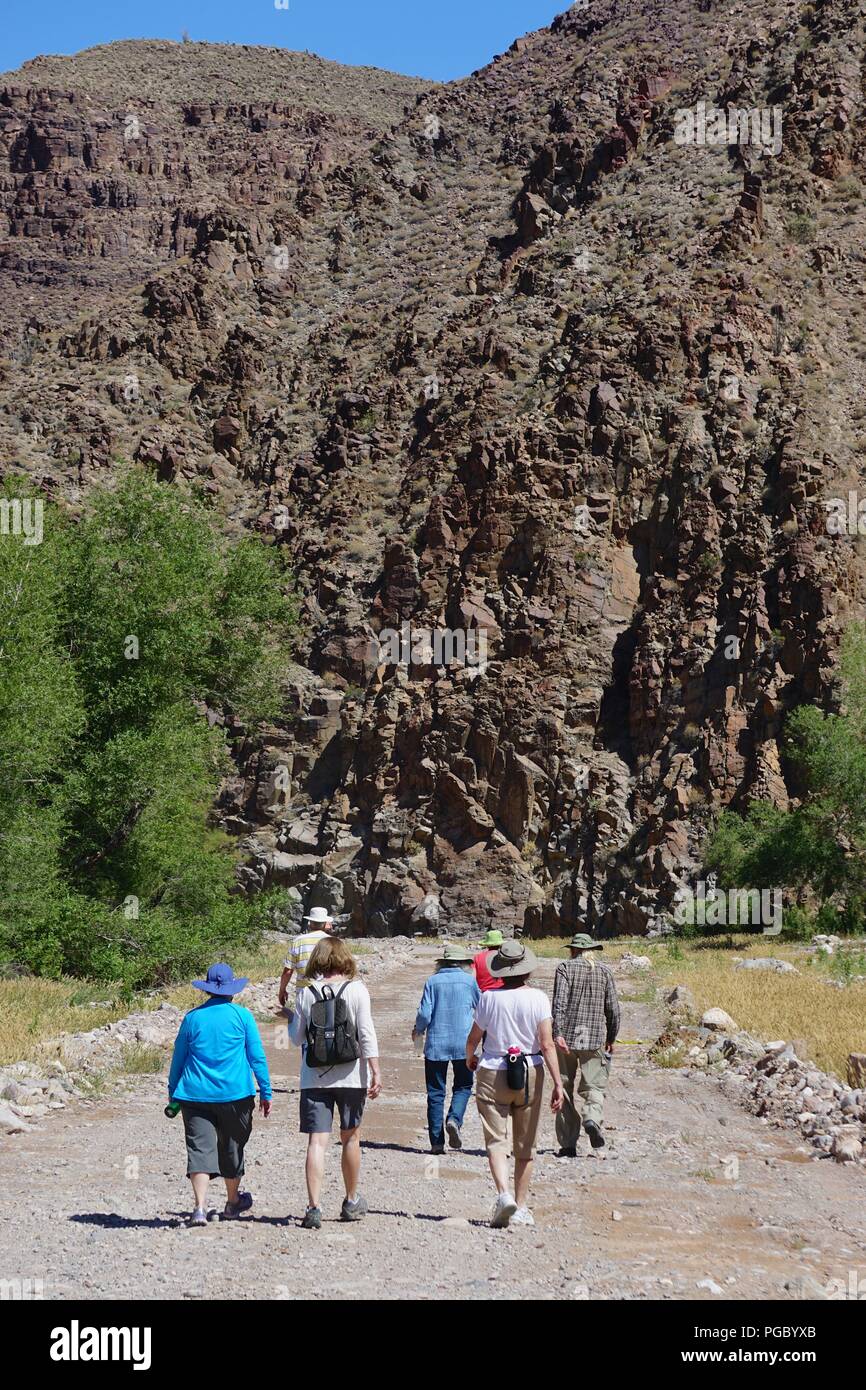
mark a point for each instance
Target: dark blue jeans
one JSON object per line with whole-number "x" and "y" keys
{"x": 437, "y": 1090}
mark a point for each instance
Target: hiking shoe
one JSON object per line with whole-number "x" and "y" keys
{"x": 232, "y": 1210}
{"x": 503, "y": 1211}
{"x": 312, "y": 1219}
{"x": 199, "y": 1217}
{"x": 353, "y": 1210}
{"x": 437, "y": 1148}
{"x": 522, "y": 1217}
{"x": 454, "y": 1134}
{"x": 567, "y": 1153}
{"x": 594, "y": 1134}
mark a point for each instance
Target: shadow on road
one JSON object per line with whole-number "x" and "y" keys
{"x": 177, "y": 1219}
{"x": 424, "y": 1216}
{"x": 112, "y": 1220}
{"x": 414, "y": 1149}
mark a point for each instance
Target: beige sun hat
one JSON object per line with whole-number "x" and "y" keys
{"x": 455, "y": 955}
{"x": 318, "y": 915}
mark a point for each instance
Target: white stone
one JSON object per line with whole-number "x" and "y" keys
{"x": 10, "y": 1123}
{"x": 781, "y": 967}
{"x": 719, "y": 1021}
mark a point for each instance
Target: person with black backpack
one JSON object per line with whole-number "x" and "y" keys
{"x": 333, "y": 1026}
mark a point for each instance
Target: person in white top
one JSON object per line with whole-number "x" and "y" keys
{"x": 515, "y": 1030}
{"x": 326, "y": 1081}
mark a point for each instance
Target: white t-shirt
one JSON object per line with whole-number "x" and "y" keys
{"x": 510, "y": 1018}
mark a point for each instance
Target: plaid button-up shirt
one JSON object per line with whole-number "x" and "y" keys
{"x": 585, "y": 1005}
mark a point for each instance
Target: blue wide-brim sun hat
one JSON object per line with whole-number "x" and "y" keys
{"x": 221, "y": 979}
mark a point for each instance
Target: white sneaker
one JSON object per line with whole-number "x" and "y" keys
{"x": 503, "y": 1211}
{"x": 523, "y": 1217}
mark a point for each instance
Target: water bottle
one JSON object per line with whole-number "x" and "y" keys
{"x": 172, "y": 1109}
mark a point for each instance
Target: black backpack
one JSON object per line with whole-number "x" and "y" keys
{"x": 331, "y": 1036}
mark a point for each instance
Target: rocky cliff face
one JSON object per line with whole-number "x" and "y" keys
{"x": 509, "y": 362}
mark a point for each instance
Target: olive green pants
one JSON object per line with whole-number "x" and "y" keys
{"x": 589, "y": 1070}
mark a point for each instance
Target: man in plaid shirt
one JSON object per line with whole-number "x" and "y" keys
{"x": 585, "y": 1025}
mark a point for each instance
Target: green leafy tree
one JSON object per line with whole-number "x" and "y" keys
{"x": 116, "y": 636}
{"x": 41, "y": 714}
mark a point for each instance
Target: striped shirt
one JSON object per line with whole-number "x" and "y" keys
{"x": 299, "y": 955}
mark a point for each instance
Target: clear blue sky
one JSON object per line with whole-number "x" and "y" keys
{"x": 438, "y": 39}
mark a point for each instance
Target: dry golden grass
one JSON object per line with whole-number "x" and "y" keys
{"x": 806, "y": 1007}
{"x": 33, "y": 1010}
{"x": 831, "y": 1022}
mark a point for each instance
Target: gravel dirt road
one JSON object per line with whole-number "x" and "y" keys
{"x": 93, "y": 1202}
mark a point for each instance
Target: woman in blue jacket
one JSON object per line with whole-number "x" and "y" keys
{"x": 216, "y": 1054}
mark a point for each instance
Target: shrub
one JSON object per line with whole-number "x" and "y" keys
{"x": 820, "y": 846}
{"x": 802, "y": 228}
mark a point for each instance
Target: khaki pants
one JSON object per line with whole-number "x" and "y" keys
{"x": 589, "y": 1070}
{"x": 496, "y": 1102}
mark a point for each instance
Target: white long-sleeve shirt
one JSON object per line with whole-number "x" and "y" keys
{"x": 351, "y": 1074}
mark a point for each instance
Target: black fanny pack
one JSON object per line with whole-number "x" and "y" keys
{"x": 517, "y": 1072}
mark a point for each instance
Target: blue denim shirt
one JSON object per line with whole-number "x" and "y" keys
{"x": 447, "y": 1013}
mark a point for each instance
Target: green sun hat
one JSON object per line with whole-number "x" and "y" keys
{"x": 581, "y": 942}
{"x": 493, "y": 938}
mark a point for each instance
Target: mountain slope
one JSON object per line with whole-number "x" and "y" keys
{"x": 502, "y": 357}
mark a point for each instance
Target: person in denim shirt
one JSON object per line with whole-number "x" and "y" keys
{"x": 446, "y": 1014}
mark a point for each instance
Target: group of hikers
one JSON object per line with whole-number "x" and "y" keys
{"x": 479, "y": 1014}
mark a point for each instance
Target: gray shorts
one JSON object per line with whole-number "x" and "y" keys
{"x": 317, "y": 1108}
{"x": 216, "y": 1136}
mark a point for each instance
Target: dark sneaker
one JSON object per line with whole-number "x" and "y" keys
{"x": 199, "y": 1217}
{"x": 354, "y": 1210}
{"x": 232, "y": 1210}
{"x": 594, "y": 1134}
{"x": 312, "y": 1219}
{"x": 454, "y": 1134}
{"x": 567, "y": 1153}
{"x": 437, "y": 1148}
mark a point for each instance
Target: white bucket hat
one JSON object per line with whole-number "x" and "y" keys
{"x": 320, "y": 915}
